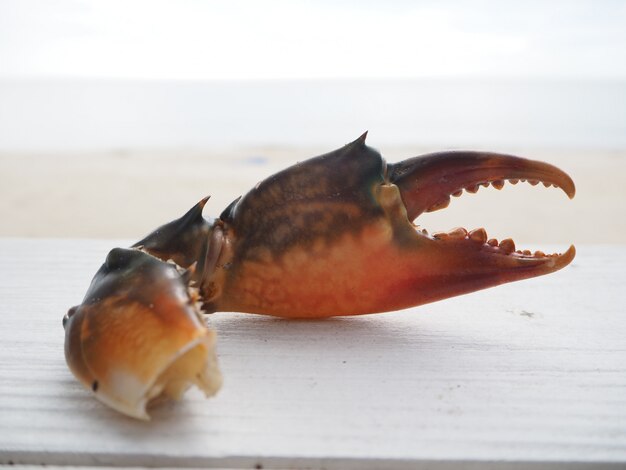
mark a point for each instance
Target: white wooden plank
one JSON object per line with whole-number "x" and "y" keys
{"x": 529, "y": 373}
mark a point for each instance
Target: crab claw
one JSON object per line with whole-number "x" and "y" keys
{"x": 335, "y": 236}
{"x": 459, "y": 261}
{"x": 138, "y": 335}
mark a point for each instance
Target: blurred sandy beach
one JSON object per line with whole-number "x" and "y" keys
{"x": 75, "y": 159}
{"x": 127, "y": 194}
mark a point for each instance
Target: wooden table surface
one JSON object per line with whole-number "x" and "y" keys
{"x": 528, "y": 374}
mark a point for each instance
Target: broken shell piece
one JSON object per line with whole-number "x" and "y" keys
{"x": 138, "y": 335}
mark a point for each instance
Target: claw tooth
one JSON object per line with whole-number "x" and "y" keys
{"x": 478, "y": 235}
{"x": 507, "y": 245}
{"x": 472, "y": 189}
{"x": 457, "y": 193}
{"x": 540, "y": 254}
{"x": 484, "y": 184}
{"x": 533, "y": 182}
{"x": 547, "y": 185}
{"x": 527, "y": 252}
{"x": 492, "y": 242}
{"x": 514, "y": 181}
{"x": 440, "y": 236}
{"x": 498, "y": 184}
{"x": 458, "y": 233}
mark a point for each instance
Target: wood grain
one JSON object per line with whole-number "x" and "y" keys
{"x": 528, "y": 373}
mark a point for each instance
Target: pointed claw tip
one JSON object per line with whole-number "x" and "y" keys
{"x": 564, "y": 182}
{"x": 362, "y": 138}
{"x": 203, "y": 201}
{"x": 564, "y": 259}
{"x": 569, "y": 255}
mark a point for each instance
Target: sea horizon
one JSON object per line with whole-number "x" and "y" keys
{"x": 86, "y": 115}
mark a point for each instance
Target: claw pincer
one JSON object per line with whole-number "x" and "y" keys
{"x": 333, "y": 235}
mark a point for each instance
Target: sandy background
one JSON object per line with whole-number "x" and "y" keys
{"x": 126, "y": 195}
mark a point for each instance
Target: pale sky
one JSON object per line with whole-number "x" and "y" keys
{"x": 244, "y": 39}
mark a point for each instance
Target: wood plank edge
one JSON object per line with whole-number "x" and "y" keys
{"x": 31, "y": 460}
